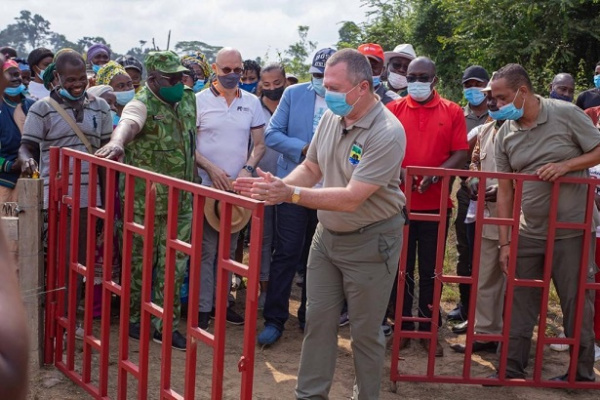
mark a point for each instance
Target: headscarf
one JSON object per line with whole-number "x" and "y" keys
{"x": 95, "y": 49}
{"x": 99, "y": 90}
{"x": 49, "y": 75}
{"x": 9, "y": 64}
{"x": 196, "y": 58}
{"x": 108, "y": 72}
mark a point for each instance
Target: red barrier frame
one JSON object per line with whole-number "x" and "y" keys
{"x": 61, "y": 204}
{"x": 536, "y": 380}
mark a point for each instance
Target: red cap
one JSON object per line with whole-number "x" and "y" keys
{"x": 9, "y": 64}
{"x": 372, "y": 50}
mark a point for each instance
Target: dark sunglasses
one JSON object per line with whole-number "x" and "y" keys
{"x": 172, "y": 79}
{"x": 422, "y": 78}
{"x": 227, "y": 70}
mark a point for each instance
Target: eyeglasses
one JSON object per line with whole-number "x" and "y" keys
{"x": 227, "y": 70}
{"x": 172, "y": 79}
{"x": 421, "y": 78}
{"x": 318, "y": 76}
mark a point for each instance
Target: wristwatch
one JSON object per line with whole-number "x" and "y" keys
{"x": 296, "y": 195}
{"x": 248, "y": 168}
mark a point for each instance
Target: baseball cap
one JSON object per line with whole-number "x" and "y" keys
{"x": 291, "y": 76}
{"x": 319, "y": 60}
{"x": 372, "y": 50}
{"x": 475, "y": 72}
{"x": 130, "y": 62}
{"x": 404, "y": 50}
{"x": 164, "y": 61}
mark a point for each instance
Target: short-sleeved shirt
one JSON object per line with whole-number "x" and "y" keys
{"x": 224, "y": 130}
{"x": 434, "y": 131}
{"x": 561, "y": 132}
{"x": 371, "y": 152}
{"x": 588, "y": 99}
{"x": 45, "y": 127}
{"x": 473, "y": 120}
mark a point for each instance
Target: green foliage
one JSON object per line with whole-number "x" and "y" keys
{"x": 351, "y": 35}
{"x": 209, "y": 51}
{"x": 297, "y": 54}
{"x": 546, "y": 37}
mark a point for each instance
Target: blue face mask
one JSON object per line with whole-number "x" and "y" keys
{"x": 419, "y": 91}
{"x": 597, "y": 81}
{"x": 337, "y": 103}
{"x": 199, "y": 85}
{"x": 317, "y": 84}
{"x": 15, "y": 91}
{"x": 376, "y": 81}
{"x": 41, "y": 74}
{"x": 96, "y": 68}
{"x": 508, "y": 112}
{"x": 554, "y": 95}
{"x": 474, "y": 96}
{"x": 115, "y": 118}
{"x": 249, "y": 87}
{"x": 124, "y": 97}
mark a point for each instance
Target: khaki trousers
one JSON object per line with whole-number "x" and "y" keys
{"x": 490, "y": 290}
{"x": 360, "y": 268}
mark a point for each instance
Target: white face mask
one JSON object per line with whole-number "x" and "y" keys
{"x": 397, "y": 81}
{"x": 419, "y": 91}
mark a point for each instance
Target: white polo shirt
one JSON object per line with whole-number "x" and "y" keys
{"x": 224, "y": 131}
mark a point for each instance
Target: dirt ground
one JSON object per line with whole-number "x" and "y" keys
{"x": 276, "y": 368}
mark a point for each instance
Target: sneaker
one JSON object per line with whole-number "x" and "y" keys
{"x": 203, "y": 320}
{"x": 387, "y": 330}
{"x": 344, "y": 320}
{"x": 79, "y": 332}
{"x": 269, "y": 335}
{"x": 234, "y": 318}
{"x": 596, "y": 352}
{"x": 134, "y": 331}
{"x": 261, "y": 300}
{"x": 178, "y": 341}
{"x": 560, "y": 347}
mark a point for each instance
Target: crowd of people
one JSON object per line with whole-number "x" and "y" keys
{"x": 329, "y": 158}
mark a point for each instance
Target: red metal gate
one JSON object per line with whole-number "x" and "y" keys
{"x": 58, "y": 325}
{"x": 407, "y": 372}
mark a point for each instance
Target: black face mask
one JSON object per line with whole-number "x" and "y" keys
{"x": 273, "y": 94}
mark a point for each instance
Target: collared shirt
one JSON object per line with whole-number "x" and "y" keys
{"x": 45, "y": 127}
{"x": 224, "y": 130}
{"x": 472, "y": 120}
{"x": 561, "y": 132}
{"x": 370, "y": 152}
{"x": 434, "y": 131}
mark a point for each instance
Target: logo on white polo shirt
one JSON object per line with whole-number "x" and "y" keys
{"x": 243, "y": 109}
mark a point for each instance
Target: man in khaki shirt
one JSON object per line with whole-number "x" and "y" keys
{"x": 357, "y": 150}
{"x": 548, "y": 138}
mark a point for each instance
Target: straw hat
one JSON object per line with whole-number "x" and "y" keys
{"x": 239, "y": 215}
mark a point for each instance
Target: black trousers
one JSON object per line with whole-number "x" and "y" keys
{"x": 422, "y": 243}
{"x": 463, "y": 247}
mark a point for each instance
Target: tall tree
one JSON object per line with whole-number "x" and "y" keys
{"x": 34, "y": 28}
{"x": 209, "y": 51}
{"x": 351, "y": 35}
{"x": 298, "y": 53}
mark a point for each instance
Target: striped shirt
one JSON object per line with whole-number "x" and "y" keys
{"x": 45, "y": 127}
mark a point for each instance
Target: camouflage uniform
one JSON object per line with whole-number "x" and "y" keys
{"x": 166, "y": 144}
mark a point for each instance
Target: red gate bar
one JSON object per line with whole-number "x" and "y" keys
{"x": 61, "y": 203}
{"x": 465, "y": 377}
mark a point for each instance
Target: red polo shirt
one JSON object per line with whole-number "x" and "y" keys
{"x": 433, "y": 131}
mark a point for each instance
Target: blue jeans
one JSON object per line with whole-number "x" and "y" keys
{"x": 294, "y": 225}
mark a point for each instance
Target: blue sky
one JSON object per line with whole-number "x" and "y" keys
{"x": 256, "y": 27}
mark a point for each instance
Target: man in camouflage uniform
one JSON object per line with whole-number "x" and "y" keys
{"x": 157, "y": 132}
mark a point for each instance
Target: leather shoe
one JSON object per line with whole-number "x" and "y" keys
{"x": 565, "y": 378}
{"x": 478, "y": 346}
{"x": 439, "y": 350}
{"x": 460, "y": 328}
{"x": 458, "y": 314}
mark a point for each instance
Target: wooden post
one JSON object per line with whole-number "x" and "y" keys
{"x": 31, "y": 262}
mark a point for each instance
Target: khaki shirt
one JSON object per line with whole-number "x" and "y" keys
{"x": 371, "y": 151}
{"x": 562, "y": 132}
